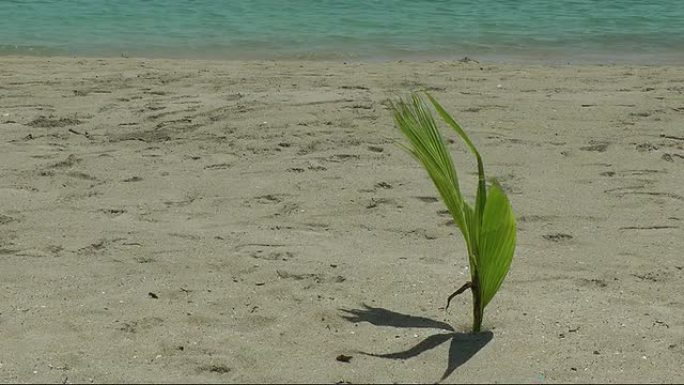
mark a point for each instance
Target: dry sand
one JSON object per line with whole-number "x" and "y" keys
{"x": 190, "y": 221}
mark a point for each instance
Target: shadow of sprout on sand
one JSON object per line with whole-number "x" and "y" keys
{"x": 463, "y": 345}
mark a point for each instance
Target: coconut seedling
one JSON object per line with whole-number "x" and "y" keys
{"x": 488, "y": 227}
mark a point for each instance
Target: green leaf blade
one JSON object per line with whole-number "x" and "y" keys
{"x": 481, "y": 189}
{"x": 427, "y": 145}
{"x": 497, "y": 243}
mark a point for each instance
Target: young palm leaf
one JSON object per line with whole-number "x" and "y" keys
{"x": 489, "y": 227}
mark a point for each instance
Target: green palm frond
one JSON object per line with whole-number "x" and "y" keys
{"x": 497, "y": 243}
{"x": 488, "y": 228}
{"x": 428, "y": 147}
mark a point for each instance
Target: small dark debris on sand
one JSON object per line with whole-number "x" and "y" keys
{"x": 343, "y": 358}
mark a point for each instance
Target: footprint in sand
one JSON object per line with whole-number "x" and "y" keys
{"x": 215, "y": 368}
{"x": 646, "y": 147}
{"x": 596, "y": 146}
{"x": 670, "y": 157}
{"x": 218, "y": 166}
{"x": 4, "y": 219}
{"x": 592, "y": 282}
{"x": 654, "y": 276}
{"x": 315, "y": 166}
{"x": 375, "y": 202}
{"x": 427, "y": 199}
{"x": 269, "y": 198}
{"x": 557, "y": 237}
{"x": 272, "y": 256}
{"x": 113, "y": 212}
{"x": 336, "y": 158}
{"x": 70, "y": 161}
{"x": 143, "y": 324}
{"x": 52, "y": 122}
{"x": 287, "y": 209}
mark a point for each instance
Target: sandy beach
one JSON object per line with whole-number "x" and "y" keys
{"x": 207, "y": 221}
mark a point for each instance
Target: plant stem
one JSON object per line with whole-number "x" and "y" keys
{"x": 477, "y": 308}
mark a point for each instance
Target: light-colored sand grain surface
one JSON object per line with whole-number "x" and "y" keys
{"x": 258, "y": 200}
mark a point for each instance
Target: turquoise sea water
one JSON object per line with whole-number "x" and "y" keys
{"x": 649, "y": 31}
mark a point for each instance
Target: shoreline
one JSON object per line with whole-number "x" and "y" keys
{"x": 387, "y": 61}
{"x": 252, "y": 221}
{"x": 515, "y": 57}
